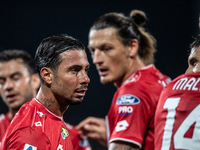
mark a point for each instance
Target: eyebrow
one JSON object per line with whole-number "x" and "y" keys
{"x": 13, "y": 74}
{"x": 102, "y": 45}
{"x": 74, "y": 66}
{"x": 192, "y": 59}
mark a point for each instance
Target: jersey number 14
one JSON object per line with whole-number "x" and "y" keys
{"x": 181, "y": 142}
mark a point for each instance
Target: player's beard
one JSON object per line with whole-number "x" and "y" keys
{"x": 75, "y": 102}
{"x": 72, "y": 101}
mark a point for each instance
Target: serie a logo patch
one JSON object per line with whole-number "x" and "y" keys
{"x": 64, "y": 133}
{"x": 29, "y": 147}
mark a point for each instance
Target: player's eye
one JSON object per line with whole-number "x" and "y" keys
{"x": 2, "y": 81}
{"x": 193, "y": 63}
{"x": 92, "y": 50}
{"x": 87, "y": 70}
{"x": 16, "y": 77}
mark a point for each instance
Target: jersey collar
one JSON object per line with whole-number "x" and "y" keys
{"x": 36, "y": 102}
{"x": 136, "y": 75}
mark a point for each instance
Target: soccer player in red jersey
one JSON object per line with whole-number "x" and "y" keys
{"x": 18, "y": 83}
{"x": 62, "y": 65}
{"x": 123, "y": 53}
{"x": 177, "y": 115}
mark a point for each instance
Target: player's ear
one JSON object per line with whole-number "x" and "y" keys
{"x": 35, "y": 81}
{"x": 47, "y": 75}
{"x": 133, "y": 47}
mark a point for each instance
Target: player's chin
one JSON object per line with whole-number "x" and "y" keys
{"x": 16, "y": 105}
{"x": 106, "y": 80}
{"x": 76, "y": 101}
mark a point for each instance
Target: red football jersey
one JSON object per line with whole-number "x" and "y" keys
{"x": 5, "y": 120}
{"x": 177, "y": 118}
{"x": 131, "y": 116}
{"x": 79, "y": 143}
{"x": 35, "y": 127}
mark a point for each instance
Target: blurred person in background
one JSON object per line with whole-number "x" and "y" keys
{"x": 19, "y": 83}
{"x": 123, "y": 53}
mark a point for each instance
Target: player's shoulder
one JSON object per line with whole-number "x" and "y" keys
{"x": 188, "y": 76}
{"x": 22, "y": 137}
{"x": 2, "y": 117}
{"x": 155, "y": 76}
{"x": 28, "y": 131}
{"x": 147, "y": 77}
{"x": 145, "y": 84}
{"x": 5, "y": 119}
{"x": 26, "y": 122}
{"x": 25, "y": 117}
{"x": 186, "y": 82}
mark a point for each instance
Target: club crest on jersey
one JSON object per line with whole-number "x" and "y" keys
{"x": 29, "y": 147}
{"x": 64, "y": 133}
{"x": 128, "y": 100}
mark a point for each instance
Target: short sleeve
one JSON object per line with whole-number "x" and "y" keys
{"x": 28, "y": 139}
{"x": 129, "y": 115}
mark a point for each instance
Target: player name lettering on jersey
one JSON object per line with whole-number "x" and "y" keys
{"x": 187, "y": 84}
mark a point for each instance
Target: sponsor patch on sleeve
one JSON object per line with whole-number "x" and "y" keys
{"x": 125, "y": 110}
{"x": 29, "y": 147}
{"x": 84, "y": 143}
{"x": 128, "y": 99}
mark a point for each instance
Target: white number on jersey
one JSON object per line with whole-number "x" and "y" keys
{"x": 170, "y": 105}
{"x": 181, "y": 142}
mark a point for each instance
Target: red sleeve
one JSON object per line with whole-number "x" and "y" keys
{"x": 129, "y": 115}
{"x": 28, "y": 138}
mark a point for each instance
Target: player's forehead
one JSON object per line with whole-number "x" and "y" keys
{"x": 13, "y": 66}
{"x": 74, "y": 57}
{"x": 194, "y": 53}
{"x": 106, "y": 36}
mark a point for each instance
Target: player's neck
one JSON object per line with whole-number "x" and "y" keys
{"x": 47, "y": 98}
{"x": 134, "y": 65}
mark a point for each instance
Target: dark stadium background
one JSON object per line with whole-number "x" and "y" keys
{"x": 174, "y": 23}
